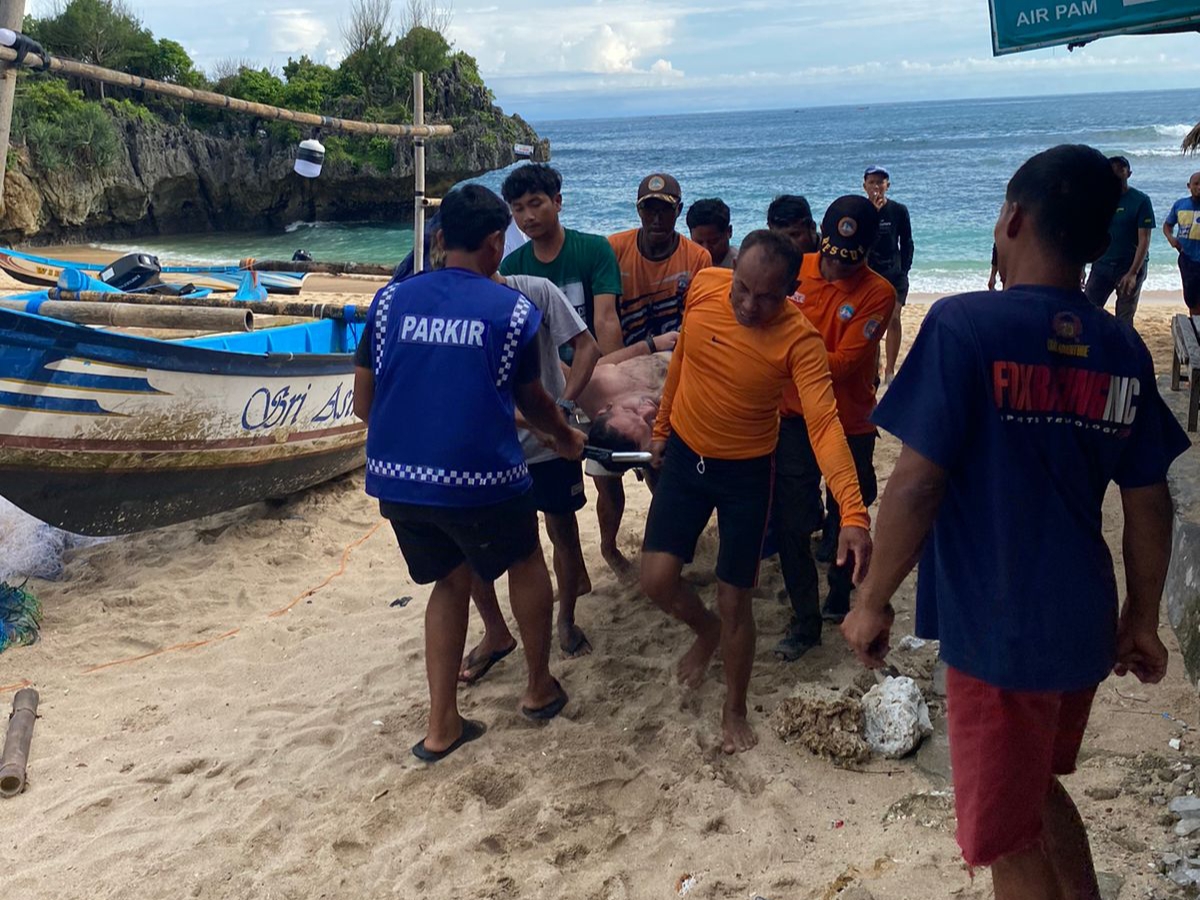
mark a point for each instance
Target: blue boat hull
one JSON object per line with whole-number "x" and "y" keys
{"x": 103, "y": 433}
{"x": 43, "y": 271}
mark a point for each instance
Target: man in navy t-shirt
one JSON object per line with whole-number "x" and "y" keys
{"x": 1016, "y": 413}
{"x": 442, "y": 360}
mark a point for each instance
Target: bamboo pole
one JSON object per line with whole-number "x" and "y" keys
{"x": 16, "y": 743}
{"x": 321, "y": 268}
{"x": 208, "y": 98}
{"x": 127, "y": 315}
{"x": 418, "y": 176}
{"x": 342, "y": 311}
{"x": 12, "y": 16}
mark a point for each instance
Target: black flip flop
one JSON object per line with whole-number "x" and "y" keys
{"x": 487, "y": 665}
{"x": 471, "y": 730}
{"x": 551, "y": 709}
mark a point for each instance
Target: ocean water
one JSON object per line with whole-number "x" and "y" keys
{"x": 949, "y": 163}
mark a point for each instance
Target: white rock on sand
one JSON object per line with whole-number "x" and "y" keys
{"x": 897, "y": 717}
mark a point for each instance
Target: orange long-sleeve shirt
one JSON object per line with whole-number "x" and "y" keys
{"x": 726, "y": 382}
{"x": 851, "y": 317}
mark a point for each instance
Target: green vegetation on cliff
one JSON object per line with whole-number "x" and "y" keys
{"x": 72, "y": 122}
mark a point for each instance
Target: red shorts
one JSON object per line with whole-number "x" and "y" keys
{"x": 1005, "y": 749}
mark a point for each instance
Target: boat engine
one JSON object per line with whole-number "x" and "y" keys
{"x": 132, "y": 272}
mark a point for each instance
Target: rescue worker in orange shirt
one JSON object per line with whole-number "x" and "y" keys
{"x": 741, "y": 344}
{"x": 850, "y": 305}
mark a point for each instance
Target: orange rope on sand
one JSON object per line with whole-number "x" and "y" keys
{"x": 5, "y": 688}
{"x": 192, "y": 645}
{"x": 350, "y": 548}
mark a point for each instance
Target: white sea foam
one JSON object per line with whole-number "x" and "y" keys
{"x": 1173, "y": 131}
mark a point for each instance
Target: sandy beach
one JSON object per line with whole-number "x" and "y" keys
{"x": 228, "y": 706}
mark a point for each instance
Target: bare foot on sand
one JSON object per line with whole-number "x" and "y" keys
{"x": 737, "y": 735}
{"x": 620, "y": 564}
{"x": 572, "y": 641}
{"x": 693, "y": 665}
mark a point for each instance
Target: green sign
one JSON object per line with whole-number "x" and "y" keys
{"x": 1029, "y": 24}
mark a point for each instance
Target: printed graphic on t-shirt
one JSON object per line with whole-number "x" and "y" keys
{"x": 657, "y": 311}
{"x": 1185, "y": 225}
{"x": 577, "y": 297}
{"x": 1064, "y": 394}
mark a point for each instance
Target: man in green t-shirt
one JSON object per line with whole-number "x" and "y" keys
{"x": 584, "y": 268}
{"x": 582, "y": 265}
{"x": 1123, "y": 266}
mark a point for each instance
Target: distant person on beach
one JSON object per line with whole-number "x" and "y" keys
{"x": 714, "y": 440}
{"x": 442, "y": 359}
{"x": 1183, "y": 233}
{"x": 1016, "y": 410}
{"x": 891, "y": 257}
{"x": 582, "y": 265}
{"x": 850, "y": 306}
{"x": 708, "y": 225}
{"x": 1123, "y": 266}
{"x": 994, "y": 273}
{"x": 791, "y": 216}
{"x": 557, "y": 490}
{"x": 657, "y": 266}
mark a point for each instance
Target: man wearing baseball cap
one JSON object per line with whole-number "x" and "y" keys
{"x": 657, "y": 267}
{"x": 850, "y": 306}
{"x": 1123, "y": 266}
{"x": 891, "y": 254}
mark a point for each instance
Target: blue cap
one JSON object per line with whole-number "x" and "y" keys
{"x": 877, "y": 170}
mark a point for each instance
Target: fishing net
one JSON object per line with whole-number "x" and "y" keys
{"x": 29, "y": 548}
{"x": 20, "y": 616}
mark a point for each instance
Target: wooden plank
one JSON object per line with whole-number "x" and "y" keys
{"x": 220, "y": 101}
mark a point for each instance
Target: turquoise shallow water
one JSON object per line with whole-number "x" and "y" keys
{"x": 949, "y": 163}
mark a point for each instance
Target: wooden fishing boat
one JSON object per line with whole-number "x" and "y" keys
{"x": 105, "y": 433}
{"x": 45, "y": 271}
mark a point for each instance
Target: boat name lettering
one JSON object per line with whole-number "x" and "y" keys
{"x": 338, "y": 406}
{"x": 435, "y": 330}
{"x": 267, "y": 410}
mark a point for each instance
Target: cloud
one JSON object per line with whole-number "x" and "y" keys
{"x": 621, "y": 37}
{"x": 293, "y": 31}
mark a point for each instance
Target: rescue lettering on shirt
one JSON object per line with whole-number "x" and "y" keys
{"x": 435, "y": 330}
{"x": 1037, "y": 393}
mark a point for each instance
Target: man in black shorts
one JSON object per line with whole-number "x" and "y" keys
{"x": 714, "y": 438}
{"x": 441, "y": 361}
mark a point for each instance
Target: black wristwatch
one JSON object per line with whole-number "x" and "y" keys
{"x": 567, "y": 406}
{"x": 650, "y": 344}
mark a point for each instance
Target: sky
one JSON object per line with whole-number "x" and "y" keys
{"x": 557, "y": 59}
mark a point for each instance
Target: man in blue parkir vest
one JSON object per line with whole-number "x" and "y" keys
{"x": 443, "y": 357}
{"x": 1016, "y": 411}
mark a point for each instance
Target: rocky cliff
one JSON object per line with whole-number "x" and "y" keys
{"x": 171, "y": 178}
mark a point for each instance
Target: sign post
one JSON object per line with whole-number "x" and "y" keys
{"x": 1029, "y": 24}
